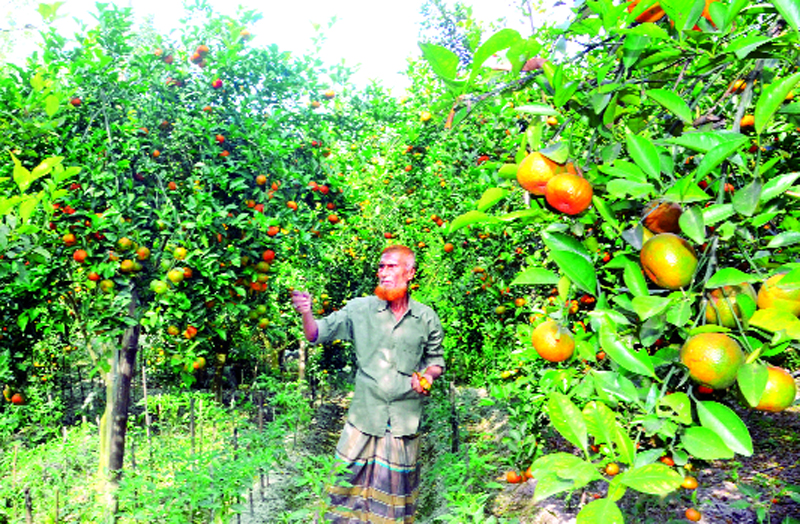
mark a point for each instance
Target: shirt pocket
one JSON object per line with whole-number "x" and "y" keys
{"x": 408, "y": 349}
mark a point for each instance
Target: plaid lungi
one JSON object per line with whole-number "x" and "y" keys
{"x": 383, "y": 475}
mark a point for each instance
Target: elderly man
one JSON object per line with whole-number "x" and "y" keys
{"x": 398, "y": 345}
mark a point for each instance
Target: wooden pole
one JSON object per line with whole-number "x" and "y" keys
{"x": 146, "y": 413}
{"x": 191, "y": 421}
{"x": 28, "y": 506}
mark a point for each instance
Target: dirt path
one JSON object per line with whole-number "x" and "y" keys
{"x": 774, "y": 465}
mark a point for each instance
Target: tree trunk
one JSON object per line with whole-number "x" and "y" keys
{"x": 114, "y": 423}
{"x": 222, "y": 347}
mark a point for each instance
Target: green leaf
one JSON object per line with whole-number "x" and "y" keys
{"x": 717, "y": 213}
{"x": 529, "y": 214}
{"x": 726, "y": 423}
{"x": 502, "y": 39}
{"x": 744, "y": 45}
{"x": 600, "y": 422}
{"x": 745, "y": 200}
{"x": 624, "y": 355}
{"x": 777, "y": 186}
{"x": 705, "y": 444}
{"x": 645, "y": 154}
{"x": 692, "y": 225}
{"x": 787, "y": 238}
{"x": 600, "y": 511}
{"x": 535, "y": 276}
{"x": 22, "y": 176}
{"x": 581, "y": 272}
{"x": 686, "y": 190}
{"x": 508, "y": 171}
{"x": 470, "y": 217}
{"x": 632, "y": 275}
{"x": 655, "y": 479}
{"x": 677, "y": 406}
{"x": 550, "y": 485}
{"x": 771, "y": 99}
{"x": 672, "y": 103}
{"x": 562, "y": 242}
{"x": 536, "y": 109}
{"x": 718, "y": 155}
{"x": 625, "y": 446}
{"x": 775, "y": 320}
{"x": 752, "y": 379}
{"x": 730, "y": 276}
{"x": 605, "y": 211}
{"x": 567, "y": 419}
{"x": 790, "y": 11}
{"x": 558, "y": 152}
{"x": 648, "y": 306}
{"x": 490, "y": 197}
{"x": 626, "y": 170}
{"x": 443, "y": 61}
{"x": 51, "y": 105}
{"x": 703, "y": 142}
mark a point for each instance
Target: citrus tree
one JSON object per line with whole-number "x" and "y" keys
{"x": 655, "y": 152}
{"x": 208, "y": 184}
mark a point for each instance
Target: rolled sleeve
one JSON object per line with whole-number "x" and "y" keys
{"x": 336, "y": 326}
{"x": 434, "y": 352}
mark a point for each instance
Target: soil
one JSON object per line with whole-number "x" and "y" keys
{"x": 720, "y": 499}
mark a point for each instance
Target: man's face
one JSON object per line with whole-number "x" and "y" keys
{"x": 393, "y": 272}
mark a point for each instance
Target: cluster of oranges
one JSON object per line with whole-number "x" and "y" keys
{"x": 561, "y": 184}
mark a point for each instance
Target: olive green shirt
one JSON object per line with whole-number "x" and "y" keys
{"x": 388, "y": 352}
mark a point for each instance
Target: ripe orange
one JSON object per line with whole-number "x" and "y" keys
{"x": 747, "y": 121}
{"x": 552, "y": 121}
{"x": 570, "y": 194}
{"x": 79, "y": 256}
{"x": 662, "y": 217}
{"x": 448, "y": 248}
{"x": 738, "y": 86}
{"x": 612, "y": 469}
{"x": 780, "y": 391}
{"x": 667, "y": 461}
{"x": 713, "y": 359}
{"x": 706, "y": 13}
{"x": 772, "y": 294}
{"x": 512, "y": 477}
{"x": 722, "y": 308}
{"x": 261, "y": 180}
{"x": 668, "y": 260}
{"x": 333, "y": 219}
{"x": 535, "y": 171}
{"x": 273, "y": 230}
{"x": 693, "y": 515}
{"x": 689, "y": 482}
{"x": 552, "y": 342}
{"x": 652, "y": 14}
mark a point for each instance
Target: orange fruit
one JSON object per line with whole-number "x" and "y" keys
{"x": 570, "y": 194}
{"x": 652, "y": 14}
{"x": 261, "y": 180}
{"x": 780, "y": 391}
{"x": 552, "y": 342}
{"x": 512, "y": 477}
{"x": 662, "y": 217}
{"x": 552, "y": 121}
{"x": 535, "y": 171}
{"x": 772, "y": 294}
{"x": 722, "y": 308}
{"x": 448, "y": 248}
{"x": 713, "y": 359}
{"x": 612, "y": 469}
{"x": 738, "y": 86}
{"x": 291, "y": 204}
{"x": 747, "y": 121}
{"x": 706, "y": 13}
{"x": 693, "y": 515}
{"x": 689, "y": 482}
{"x": 668, "y": 260}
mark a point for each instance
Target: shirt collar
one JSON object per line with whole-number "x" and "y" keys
{"x": 413, "y": 306}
